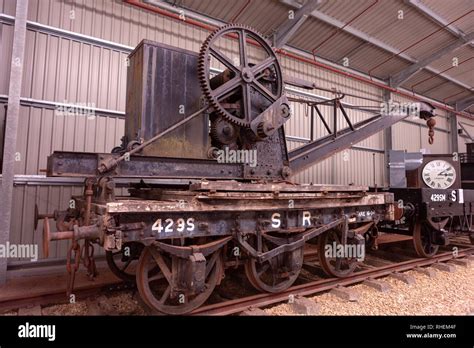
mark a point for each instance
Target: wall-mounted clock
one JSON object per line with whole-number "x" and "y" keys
{"x": 439, "y": 174}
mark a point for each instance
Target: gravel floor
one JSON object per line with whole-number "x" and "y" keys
{"x": 123, "y": 303}
{"x": 447, "y": 294}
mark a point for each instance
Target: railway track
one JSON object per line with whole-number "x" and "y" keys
{"x": 262, "y": 300}
{"x": 59, "y": 297}
{"x": 385, "y": 266}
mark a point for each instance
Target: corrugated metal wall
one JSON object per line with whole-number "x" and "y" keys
{"x": 413, "y": 134}
{"x": 469, "y": 125}
{"x": 61, "y": 69}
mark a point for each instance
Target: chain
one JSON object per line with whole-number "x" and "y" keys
{"x": 88, "y": 259}
{"x": 74, "y": 251}
{"x": 431, "y": 123}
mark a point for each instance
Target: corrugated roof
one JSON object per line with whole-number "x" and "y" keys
{"x": 416, "y": 36}
{"x": 450, "y": 10}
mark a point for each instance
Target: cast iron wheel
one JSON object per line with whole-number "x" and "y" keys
{"x": 422, "y": 240}
{"x": 154, "y": 279}
{"x": 120, "y": 264}
{"x": 275, "y": 274}
{"x": 339, "y": 267}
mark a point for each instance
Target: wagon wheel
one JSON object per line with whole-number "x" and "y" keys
{"x": 123, "y": 265}
{"x": 276, "y": 274}
{"x": 422, "y": 240}
{"x": 155, "y": 278}
{"x": 334, "y": 266}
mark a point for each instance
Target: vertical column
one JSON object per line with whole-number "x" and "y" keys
{"x": 11, "y": 126}
{"x": 453, "y": 121}
{"x": 388, "y": 141}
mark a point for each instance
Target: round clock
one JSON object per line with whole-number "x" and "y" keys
{"x": 439, "y": 174}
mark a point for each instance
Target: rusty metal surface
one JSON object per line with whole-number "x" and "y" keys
{"x": 162, "y": 88}
{"x": 230, "y": 185}
{"x": 248, "y": 202}
{"x": 75, "y": 164}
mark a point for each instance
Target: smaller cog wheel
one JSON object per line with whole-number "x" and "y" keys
{"x": 223, "y": 132}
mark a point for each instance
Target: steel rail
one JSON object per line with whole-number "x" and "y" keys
{"x": 59, "y": 296}
{"x": 311, "y": 288}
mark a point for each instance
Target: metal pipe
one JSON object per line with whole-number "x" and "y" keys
{"x": 242, "y": 9}
{"x": 453, "y": 95}
{"x": 88, "y": 194}
{"x": 429, "y": 78}
{"x": 341, "y": 28}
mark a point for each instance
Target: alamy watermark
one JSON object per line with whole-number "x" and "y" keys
{"x": 74, "y": 109}
{"x": 351, "y": 251}
{"x": 28, "y": 330}
{"x": 21, "y": 251}
{"x": 393, "y": 108}
{"x": 237, "y": 156}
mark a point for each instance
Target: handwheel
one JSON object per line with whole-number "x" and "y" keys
{"x": 155, "y": 282}
{"x": 422, "y": 240}
{"x": 334, "y": 266}
{"x": 251, "y": 81}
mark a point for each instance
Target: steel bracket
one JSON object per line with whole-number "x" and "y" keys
{"x": 294, "y": 242}
{"x": 187, "y": 251}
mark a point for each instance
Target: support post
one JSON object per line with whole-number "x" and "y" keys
{"x": 453, "y": 121}
{"x": 11, "y": 127}
{"x": 388, "y": 142}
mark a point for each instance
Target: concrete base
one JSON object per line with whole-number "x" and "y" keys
{"x": 30, "y": 311}
{"x": 406, "y": 278}
{"x": 444, "y": 267}
{"x": 462, "y": 262}
{"x": 345, "y": 293}
{"x": 305, "y": 306}
{"x": 378, "y": 285}
{"x": 428, "y": 271}
{"x": 252, "y": 311}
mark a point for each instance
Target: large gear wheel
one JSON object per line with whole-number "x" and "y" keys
{"x": 253, "y": 86}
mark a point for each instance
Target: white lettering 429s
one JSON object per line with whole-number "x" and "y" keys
{"x": 169, "y": 225}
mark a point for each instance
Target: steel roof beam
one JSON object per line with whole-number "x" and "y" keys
{"x": 287, "y": 29}
{"x": 468, "y": 135}
{"x": 408, "y": 72}
{"x": 465, "y": 103}
{"x": 433, "y": 16}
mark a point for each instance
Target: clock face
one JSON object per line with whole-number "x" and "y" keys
{"x": 439, "y": 174}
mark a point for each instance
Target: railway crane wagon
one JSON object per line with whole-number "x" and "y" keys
{"x": 209, "y": 172}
